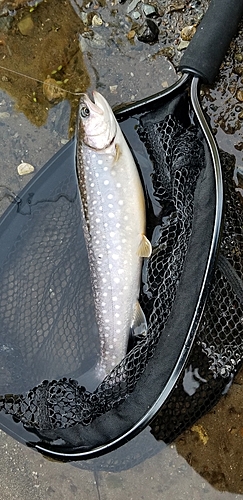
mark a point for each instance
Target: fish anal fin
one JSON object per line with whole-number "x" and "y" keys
{"x": 145, "y": 247}
{"x": 139, "y": 322}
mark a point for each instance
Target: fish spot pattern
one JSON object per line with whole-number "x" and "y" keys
{"x": 105, "y": 195}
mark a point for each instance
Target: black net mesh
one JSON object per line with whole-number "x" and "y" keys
{"x": 218, "y": 352}
{"x": 49, "y": 338}
{"x": 57, "y": 333}
{"x": 40, "y": 322}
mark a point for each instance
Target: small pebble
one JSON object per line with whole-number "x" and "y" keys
{"x": 26, "y": 26}
{"x": 132, "y": 5}
{"x": 131, "y": 34}
{"x": 84, "y": 18}
{"x": 149, "y": 10}
{"x": 187, "y": 33}
{"x": 113, "y": 89}
{"x": 91, "y": 40}
{"x": 238, "y": 70}
{"x": 96, "y": 20}
{"x": 238, "y": 57}
{"x": 136, "y": 14}
{"x": 239, "y": 95}
{"x": 183, "y": 45}
{"x": 4, "y": 114}
{"x": 25, "y": 168}
{"x": 148, "y": 32}
{"x": 52, "y": 91}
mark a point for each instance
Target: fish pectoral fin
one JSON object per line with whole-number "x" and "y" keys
{"x": 145, "y": 247}
{"x": 139, "y": 322}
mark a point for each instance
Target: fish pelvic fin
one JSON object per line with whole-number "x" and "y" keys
{"x": 139, "y": 323}
{"x": 118, "y": 153}
{"x": 145, "y": 247}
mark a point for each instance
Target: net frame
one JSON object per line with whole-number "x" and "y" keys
{"x": 92, "y": 439}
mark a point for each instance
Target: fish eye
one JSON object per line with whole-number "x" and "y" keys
{"x": 84, "y": 112}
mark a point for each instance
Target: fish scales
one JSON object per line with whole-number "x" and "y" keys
{"x": 114, "y": 226}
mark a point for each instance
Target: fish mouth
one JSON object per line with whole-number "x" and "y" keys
{"x": 99, "y": 106}
{"x": 100, "y": 102}
{"x": 93, "y": 106}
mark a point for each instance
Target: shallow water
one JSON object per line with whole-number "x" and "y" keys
{"x": 206, "y": 460}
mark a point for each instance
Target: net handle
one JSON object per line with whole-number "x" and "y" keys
{"x": 209, "y": 45}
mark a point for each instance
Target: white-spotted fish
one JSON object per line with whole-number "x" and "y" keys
{"x": 114, "y": 226}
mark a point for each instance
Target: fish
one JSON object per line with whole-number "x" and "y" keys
{"x": 114, "y": 224}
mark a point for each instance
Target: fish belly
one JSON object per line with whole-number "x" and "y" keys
{"x": 114, "y": 215}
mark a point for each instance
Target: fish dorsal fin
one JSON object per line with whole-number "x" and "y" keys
{"x": 139, "y": 322}
{"x": 145, "y": 247}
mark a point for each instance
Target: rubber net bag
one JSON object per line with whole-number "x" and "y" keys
{"x": 48, "y": 335}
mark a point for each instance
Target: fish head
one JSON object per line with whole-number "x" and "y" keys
{"x": 97, "y": 126}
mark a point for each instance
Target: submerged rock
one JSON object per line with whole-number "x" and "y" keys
{"x": 96, "y": 20}
{"x": 91, "y": 40}
{"x": 183, "y": 45}
{"x": 150, "y": 10}
{"x": 188, "y": 32}
{"x": 132, "y": 5}
{"x": 7, "y": 6}
{"x": 136, "y": 14}
{"x": 239, "y": 95}
{"x": 131, "y": 34}
{"x": 52, "y": 91}
{"x": 26, "y": 25}
{"x": 148, "y": 32}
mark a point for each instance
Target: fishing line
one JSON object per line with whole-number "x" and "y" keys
{"x": 40, "y": 81}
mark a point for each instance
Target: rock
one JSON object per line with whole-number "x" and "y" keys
{"x": 176, "y": 5}
{"x": 239, "y": 95}
{"x": 25, "y": 168}
{"x": 187, "y": 33}
{"x": 183, "y": 45}
{"x": 148, "y": 32}
{"x": 5, "y": 23}
{"x": 8, "y": 6}
{"x": 84, "y": 18}
{"x": 4, "y": 115}
{"x": 150, "y": 10}
{"x": 136, "y": 14}
{"x": 238, "y": 57}
{"x": 26, "y": 26}
{"x": 131, "y": 34}
{"x": 113, "y": 89}
{"x": 96, "y": 20}
{"x": 132, "y": 5}
{"x": 239, "y": 70}
{"x": 89, "y": 40}
{"x": 52, "y": 91}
